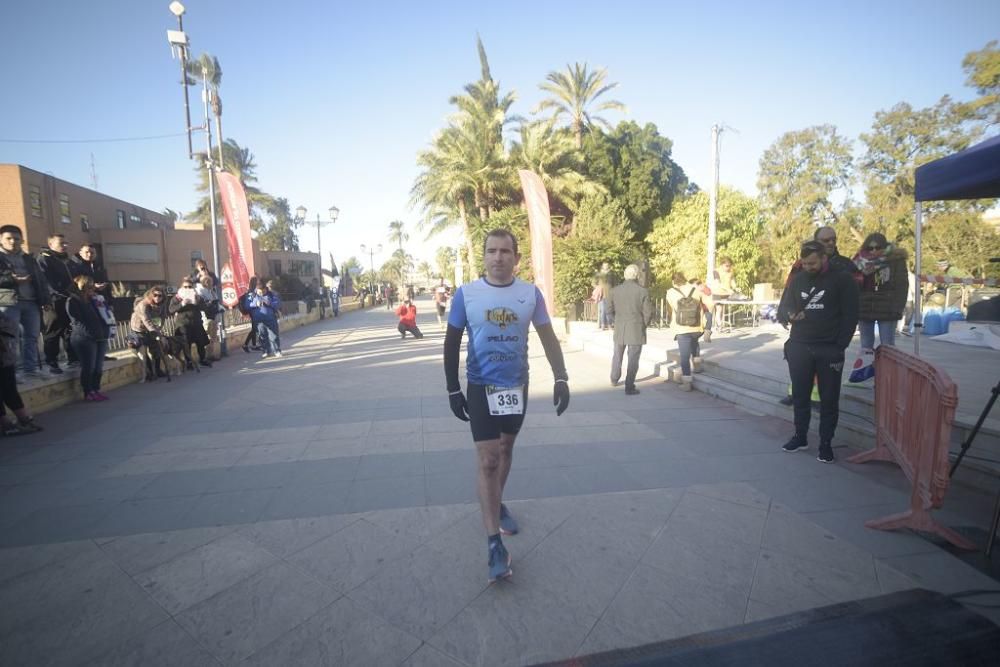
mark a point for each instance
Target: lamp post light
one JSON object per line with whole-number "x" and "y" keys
{"x": 178, "y": 39}
{"x": 300, "y": 216}
{"x": 371, "y": 256}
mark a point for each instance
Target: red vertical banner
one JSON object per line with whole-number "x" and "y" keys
{"x": 540, "y": 223}
{"x": 237, "y": 213}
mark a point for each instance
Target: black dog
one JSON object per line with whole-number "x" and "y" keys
{"x": 176, "y": 349}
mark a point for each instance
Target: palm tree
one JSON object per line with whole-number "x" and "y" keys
{"x": 171, "y": 215}
{"x": 207, "y": 68}
{"x": 573, "y": 91}
{"x": 426, "y": 270}
{"x": 240, "y": 163}
{"x": 396, "y": 233}
{"x": 550, "y": 153}
{"x": 466, "y": 163}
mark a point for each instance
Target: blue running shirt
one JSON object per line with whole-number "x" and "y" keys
{"x": 497, "y": 320}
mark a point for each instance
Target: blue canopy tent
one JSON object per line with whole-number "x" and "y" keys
{"x": 970, "y": 174}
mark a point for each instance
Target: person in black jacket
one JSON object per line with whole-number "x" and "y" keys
{"x": 89, "y": 337}
{"x": 55, "y": 264}
{"x": 23, "y": 293}
{"x": 821, "y": 305}
{"x": 186, "y": 307}
{"x": 86, "y": 263}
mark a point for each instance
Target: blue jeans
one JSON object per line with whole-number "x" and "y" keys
{"x": 29, "y": 318}
{"x": 886, "y": 333}
{"x": 604, "y": 321}
{"x": 268, "y": 336}
{"x": 687, "y": 345}
{"x": 90, "y": 353}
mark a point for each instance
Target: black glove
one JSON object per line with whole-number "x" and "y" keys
{"x": 560, "y": 396}
{"x": 458, "y": 405}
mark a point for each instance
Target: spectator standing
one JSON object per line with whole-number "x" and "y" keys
{"x": 883, "y": 290}
{"x": 148, "y": 315}
{"x": 89, "y": 336}
{"x": 9, "y": 396}
{"x": 23, "y": 293}
{"x": 250, "y": 342}
{"x": 722, "y": 287}
{"x": 687, "y": 304}
{"x": 822, "y": 308}
{"x": 632, "y": 311}
{"x": 335, "y": 300}
{"x": 441, "y": 300}
{"x": 54, "y": 262}
{"x": 267, "y": 305}
{"x": 201, "y": 270}
{"x": 205, "y": 287}
{"x": 86, "y": 263}
{"x": 605, "y": 284}
{"x": 706, "y": 294}
{"x": 187, "y": 306}
{"x": 407, "y": 313}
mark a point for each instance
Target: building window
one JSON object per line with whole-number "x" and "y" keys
{"x": 64, "y": 214}
{"x": 35, "y": 197}
{"x": 135, "y": 220}
{"x": 84, "y": 223}
{"x": 308, "y": 269}
{"x": 120, "y": 219}
{"x": 132, "y": 253}
{"x": 195, "y": 256}
{"x": 275, "y": 265}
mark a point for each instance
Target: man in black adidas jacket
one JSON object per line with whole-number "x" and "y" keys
{"x": 821, "y": 305}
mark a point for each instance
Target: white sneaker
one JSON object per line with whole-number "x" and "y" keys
{"x": 278, "y": 354}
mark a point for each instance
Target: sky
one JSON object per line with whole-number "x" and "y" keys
{"x": 335, "y": 99}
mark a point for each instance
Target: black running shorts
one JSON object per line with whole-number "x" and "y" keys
{"x": 486, "y": 426}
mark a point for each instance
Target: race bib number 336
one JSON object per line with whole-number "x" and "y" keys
{"x": 505, "y": 400}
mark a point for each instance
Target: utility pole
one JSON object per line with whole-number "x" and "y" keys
{"x": 206, "y": 99}
{"x": 93, "y": 173}
{"x": 713, "y": 202}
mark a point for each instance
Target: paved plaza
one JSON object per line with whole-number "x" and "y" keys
{"x": 320, "y": 509}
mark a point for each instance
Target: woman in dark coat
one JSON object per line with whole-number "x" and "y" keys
{"x": 89, "y": 337}
{"x": 86, "y": 263}
{"x": 187, "y": 307}
{"x": 883, "y": 289}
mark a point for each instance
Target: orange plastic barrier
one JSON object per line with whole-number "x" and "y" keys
{"x": 914, "y": 409}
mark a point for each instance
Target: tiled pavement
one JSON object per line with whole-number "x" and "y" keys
{"x": 319, "y": 509}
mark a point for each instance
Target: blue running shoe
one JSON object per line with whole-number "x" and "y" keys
{"x": 508, "y": 525}
{"x": 499, "y": 562}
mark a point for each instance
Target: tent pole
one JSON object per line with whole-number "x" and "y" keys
{"x": 918, "y": 307}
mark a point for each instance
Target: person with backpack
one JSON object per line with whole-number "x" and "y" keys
{"x": 687, "y": 303}
{"x": 632, "y": 311}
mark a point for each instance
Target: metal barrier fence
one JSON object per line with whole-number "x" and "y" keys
{"x": 914, "y": 410}
{"x": 661, "y": 313}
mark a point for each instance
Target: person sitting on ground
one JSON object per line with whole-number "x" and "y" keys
{"x": 148, "y": 315}
{"x": 9, "y": 396}
{"x": 187, "y": 307}
{"x": 89, "y": 334}
{"x": 407, "y": 313}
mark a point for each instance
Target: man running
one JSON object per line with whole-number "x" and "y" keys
{"x": 497, "y": 310}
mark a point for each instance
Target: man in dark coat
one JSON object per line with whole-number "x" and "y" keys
{"x": 86, "y": 263}
{"x": 632, "y": 311}
{"x": 54, "y": 262}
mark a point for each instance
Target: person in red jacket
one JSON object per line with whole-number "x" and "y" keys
{"x": 407, "y": 313}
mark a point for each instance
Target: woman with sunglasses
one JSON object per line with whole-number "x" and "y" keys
{"x": 148, "y": 316}
{"x": 883, "y": 289}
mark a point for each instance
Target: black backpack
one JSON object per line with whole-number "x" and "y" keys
{"x": 688, "y": 309}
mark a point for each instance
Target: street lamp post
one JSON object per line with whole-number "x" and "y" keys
{"x": 371, "y": 257}
{"x": 300, "y": 216}
{"x": 178, "y": 39}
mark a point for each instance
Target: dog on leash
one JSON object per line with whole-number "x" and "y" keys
{"x": 177, "y": 350}
{"x": 172, "y": 350}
